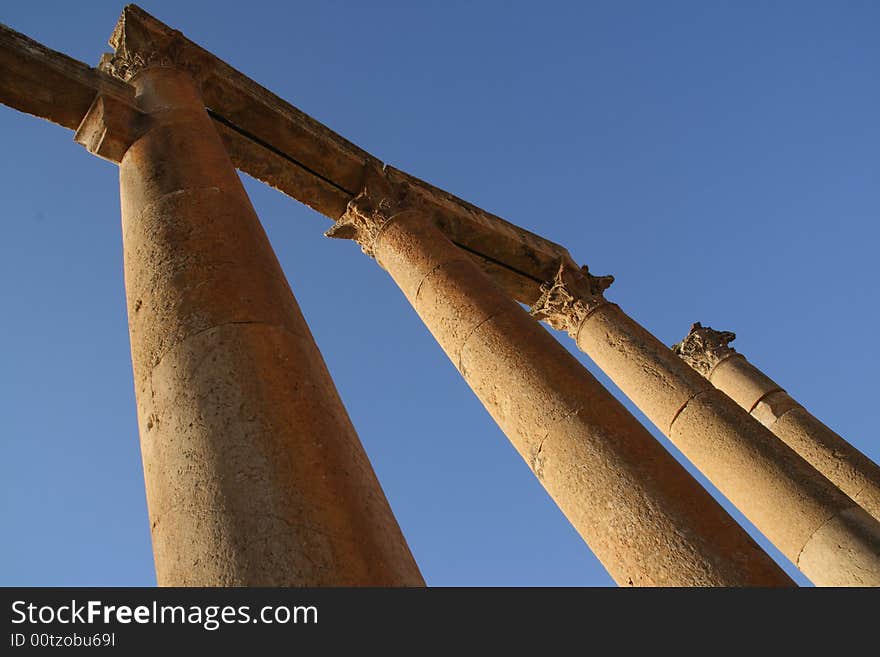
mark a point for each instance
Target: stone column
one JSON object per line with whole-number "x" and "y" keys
{"x": 642, "y": 514}
{"x": 254, "y": 473}
{"x": 831, "y": 539}
{"x": 709, "y": 353}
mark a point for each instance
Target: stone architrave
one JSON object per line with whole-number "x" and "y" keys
{"x": 643, "y": 515}
{"x": 709, "y": 352}
{"x": 830, "y": 538}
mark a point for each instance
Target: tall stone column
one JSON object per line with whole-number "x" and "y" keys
{"x": 829, "y": 537}
{"x": 709, "y": 352}
{"x": 643, "y": 515}
{"x": 254, "y": 473}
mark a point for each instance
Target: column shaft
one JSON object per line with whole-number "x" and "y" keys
{"x": 829, "y": 537}
{"x": 708, "y": 352}
{"x": 254, "y": 472}
{"x": 642, "y": 514}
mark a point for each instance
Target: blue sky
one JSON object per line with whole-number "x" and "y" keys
{"x": 720, "y": 159}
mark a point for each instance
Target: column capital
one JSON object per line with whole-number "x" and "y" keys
{"x": 110, "y": 127}
{"x": 141, "y": 42}
{"x": 573, "y": 294}
{"x": 704, "y": 347}
{"x": 369, "y": 212}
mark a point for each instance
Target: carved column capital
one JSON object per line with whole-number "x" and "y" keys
{"x": 573, "y": 294}
{"x": 704, "y": 347}
{"x": 369, "y": 212}
{"x": 141, "y": 42}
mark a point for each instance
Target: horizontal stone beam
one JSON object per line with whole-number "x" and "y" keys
{"x": 272, "y": 141}
{"x": 37, "y": 80}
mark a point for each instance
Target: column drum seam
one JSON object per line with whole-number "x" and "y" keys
{"x": 431, "y": 273}
{"x": 820, "y": 526}
{"x": 374, "y": 244}
{"x": 767, "y": 394}
{"x": 176, "y": 192}
{"x": 217, "y": 326}
{"x": 590, "y": 312}
{"x": 726, "y": 358}
{"x": 685, "y": 405}
{"x": 474, "y": 330}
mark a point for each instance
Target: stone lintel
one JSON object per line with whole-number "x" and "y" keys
{"x": 50, "y": 85}
{"x": 277, "y": 143}
{"x": 571, "y": 295}
{"x": 704, "y": 347}
{"x": 494, "y": 243}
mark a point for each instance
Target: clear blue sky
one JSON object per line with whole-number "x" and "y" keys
{"x": 720, "y": 159}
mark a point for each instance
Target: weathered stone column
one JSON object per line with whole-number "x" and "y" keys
{"x": 709, "y": 353}
{"x": 828, "y": 536}
{"x": 643, "y": 515}
{"x": 254, "y": 472}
